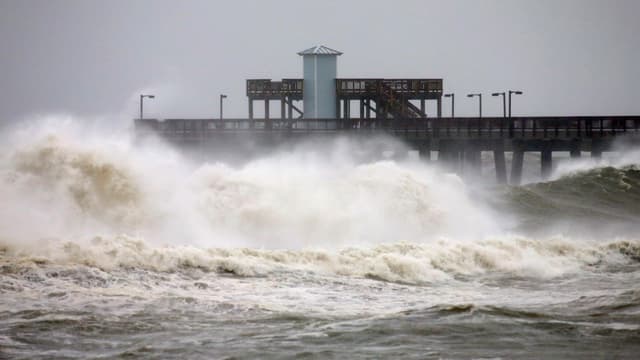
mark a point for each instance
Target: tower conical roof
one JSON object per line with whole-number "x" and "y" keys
{"x": 319, "y": 50}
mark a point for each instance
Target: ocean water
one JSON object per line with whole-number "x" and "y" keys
{"x": 116, "y": 249}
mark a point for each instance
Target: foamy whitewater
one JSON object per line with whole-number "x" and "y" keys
{"x": 112, "y": 248}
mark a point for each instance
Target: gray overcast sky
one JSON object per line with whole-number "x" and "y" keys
{"x": 93, "y": 57}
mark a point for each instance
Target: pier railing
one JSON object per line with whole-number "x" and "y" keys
{"x": 410, "y": 88}
{"x": 490, "y": 127}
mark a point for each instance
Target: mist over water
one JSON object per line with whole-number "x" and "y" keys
{"x": 137, "y": 249}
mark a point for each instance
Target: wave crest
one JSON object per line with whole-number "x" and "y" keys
{"x": 398, "y": 262}
{"x": 96, "y": 185}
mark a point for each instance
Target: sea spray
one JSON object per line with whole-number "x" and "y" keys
{"x": 286, "y": 200}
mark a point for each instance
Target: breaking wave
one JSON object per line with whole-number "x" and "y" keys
{"x": 599, "y": 201}
{"x": 397, "y": 262}
{"x": 74, "y": 188}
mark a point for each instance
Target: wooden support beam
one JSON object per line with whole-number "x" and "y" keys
{"x": 472, "y": 163}
{"x": 345, "y": 109}
{"x": 266, "y": 109}
{"x": 293, "y": 107}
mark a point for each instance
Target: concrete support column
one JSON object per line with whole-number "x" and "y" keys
{"x": 449, "y": 155}
{"x": 575, "y": 149}
{"x": 516, "y": 166}
{"x": 267, "y": 123}
{"x": 500, "y": 163}
{"x": 424, "y": 151}
{"x": 251, "y": 109}
{"x": 546, "y": 162}
{"x": 422, "y": 106}
{"x": 439, "y": 107}
{"x": 596, "y": 149}
{"x": 400, "y": 154}
{"x": 444, "y": 156}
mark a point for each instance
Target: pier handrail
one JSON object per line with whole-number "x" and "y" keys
{"x": 489, "y": 127}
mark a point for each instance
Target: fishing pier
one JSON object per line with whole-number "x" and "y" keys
{"x": 321, "y": 105}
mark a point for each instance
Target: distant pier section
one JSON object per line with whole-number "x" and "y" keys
{"x": 321, "y": 105}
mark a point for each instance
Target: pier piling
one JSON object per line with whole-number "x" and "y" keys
{"x": 546, "y": 164}
{"x": 500, "y": 163}
{"x": 516, "y": 166}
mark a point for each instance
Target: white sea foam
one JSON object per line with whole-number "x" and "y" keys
{"x": 621, "y": 156}
{"x": 397, "y": 262}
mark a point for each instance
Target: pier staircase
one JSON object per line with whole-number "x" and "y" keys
{"x": 397, "y": 105}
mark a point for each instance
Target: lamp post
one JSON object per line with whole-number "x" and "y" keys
{"x": 142, "y": 96}
{"x": 504, "y": 102}
{"x": 514, "y": 93}
{"x": 480, "y": 102}
{"x": 453, "y": 103}
{"x": 222, "y": 96}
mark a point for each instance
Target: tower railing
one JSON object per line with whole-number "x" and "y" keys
{"x": 359, "y": 87}
{"x": 266, "y": 88}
